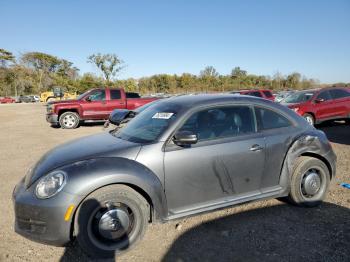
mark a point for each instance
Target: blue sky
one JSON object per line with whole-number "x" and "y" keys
{"x": 152, "y": 37}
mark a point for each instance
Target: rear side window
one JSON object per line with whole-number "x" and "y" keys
{"x": 132, "y": 95}
{"x": 324, "y": 95}
{"x": 115, "y": 94}
{"x": 255, "y": 93}
{"x": 267, "y": 94}
{"x": 339, "y": 93}
{"x": 268, "y": 119}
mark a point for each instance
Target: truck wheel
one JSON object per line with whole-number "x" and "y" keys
{"x": 69, "y": 120}
{"x": 110, "y": 221}
{"x": 309, "y": 118}
{"x": 309, "y": 182}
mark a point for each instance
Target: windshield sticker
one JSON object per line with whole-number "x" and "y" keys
{"x": 162, "y": 115}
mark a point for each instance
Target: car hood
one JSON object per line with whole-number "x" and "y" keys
{"x": 95, "y": 146}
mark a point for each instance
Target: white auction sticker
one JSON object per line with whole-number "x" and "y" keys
{"x": 162, "y": 115}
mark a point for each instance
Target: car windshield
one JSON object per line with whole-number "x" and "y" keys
{"x": 147, "y": 126}
{"x": 299, "y": 97}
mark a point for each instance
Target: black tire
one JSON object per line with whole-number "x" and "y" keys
{"x": 309, "y": 174}
{"x": 69, "y": 120}
{"x": 309, "y": 118}
{"x": 93, "y": 211}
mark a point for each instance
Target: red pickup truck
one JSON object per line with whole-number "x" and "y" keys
{"x": 95, "y": 104}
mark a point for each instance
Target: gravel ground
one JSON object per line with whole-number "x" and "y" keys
{"x": 261, "y": 231}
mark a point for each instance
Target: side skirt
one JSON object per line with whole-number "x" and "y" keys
{"x": 266, "y": 194}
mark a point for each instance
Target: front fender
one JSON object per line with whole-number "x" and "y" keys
{"x": 86, "y": 176}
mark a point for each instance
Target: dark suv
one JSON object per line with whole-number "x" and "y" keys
{"x": 179, "y": 157}
{"x": 319, "y": 105}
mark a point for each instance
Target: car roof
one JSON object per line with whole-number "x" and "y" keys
{"x": 208, "y": 99}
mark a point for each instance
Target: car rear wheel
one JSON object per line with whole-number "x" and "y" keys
{"x": 309, "y": 182}
{"x": 111, "y": 220}
{"x": 309, "y": 118}
{"x": 69, "y": 120}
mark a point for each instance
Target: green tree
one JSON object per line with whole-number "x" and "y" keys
{"x": 6, "y": 57}
{"x": 109, "y": 64}
{"x": 43, "y": 64}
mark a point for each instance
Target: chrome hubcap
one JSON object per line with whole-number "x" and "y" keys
{"x": 309, "y": 120}
{"x": 311, "y": 183}
{"x": 69, "y": 120}
{"x": 114, "y": 223}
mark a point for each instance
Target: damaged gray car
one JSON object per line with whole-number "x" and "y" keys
{"x": 179, "y": 157}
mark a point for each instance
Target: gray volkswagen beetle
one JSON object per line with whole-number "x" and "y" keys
{"x": 179, "y": 157}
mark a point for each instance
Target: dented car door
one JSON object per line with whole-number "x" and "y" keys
{"x": 226, "y": 163}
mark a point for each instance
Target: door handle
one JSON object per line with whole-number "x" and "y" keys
{"x": 256, "y": 147}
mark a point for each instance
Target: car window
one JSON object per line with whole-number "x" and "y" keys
{"x": 255, "y": 93}
{"x": 267, "y": 94}
{"x": 324, "y": 95}
{"x": 339, "y": 93}
{"x": 98, "y": 95}
{"x": 220, "y": 122}
{"x": 115, "y": 94}
{"x": 132, "y": 95}
{"x": 268, "y": 119}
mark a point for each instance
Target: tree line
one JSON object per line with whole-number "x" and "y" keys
{"x": 35, "y": 72}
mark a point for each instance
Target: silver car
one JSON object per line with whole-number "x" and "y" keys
{"x": 179, "y": 157}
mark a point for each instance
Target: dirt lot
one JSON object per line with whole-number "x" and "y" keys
{"x": 267, "y": 231}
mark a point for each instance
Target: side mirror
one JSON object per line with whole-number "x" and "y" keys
{"x": 120, "y": 115}
{"x": 184, "y": 138}
{"x": 88, "y": 99}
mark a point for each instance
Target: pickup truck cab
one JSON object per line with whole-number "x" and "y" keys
{"x": 319, "y": 105}
{"x": 95, "y": 104}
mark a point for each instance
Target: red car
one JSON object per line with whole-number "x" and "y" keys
{"x": 320, "y": 105}
{"x": 7, "y": 100}
{"x": 95, "y": 104}
{"x": 264, "y": 93}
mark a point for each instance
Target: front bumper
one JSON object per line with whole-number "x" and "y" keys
{"x": 52, "y": 118}
{"x": 43, "y": 220}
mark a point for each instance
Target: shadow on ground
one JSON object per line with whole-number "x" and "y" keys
{"x": 278, "y": 233}
{"x": 337, "y": 132}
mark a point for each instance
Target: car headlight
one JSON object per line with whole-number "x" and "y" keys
{"x": 50, "y": 108}
{"x": 50, "y": 184}
{"x": 295, "y": 109}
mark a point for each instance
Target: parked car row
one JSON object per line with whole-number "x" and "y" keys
{"x": 20, "y": 99}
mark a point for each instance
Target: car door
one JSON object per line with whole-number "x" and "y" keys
{"x": 341, "y": 102}
{"x": 279, "y": 132}
{"x": 226, "y": 162}
{"x": 323, "y": 104}
{"x": 94, "y": 106}
{"x": 116, "y": 100}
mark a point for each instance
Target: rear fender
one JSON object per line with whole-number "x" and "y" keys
{"x": 312, "y": 143}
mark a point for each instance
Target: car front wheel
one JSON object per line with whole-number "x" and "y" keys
{"x": 309, "y": 182}
{"x": 111, "y": 220}
{"x": 69, "y": 120}
{"x": 309, "y": 118}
